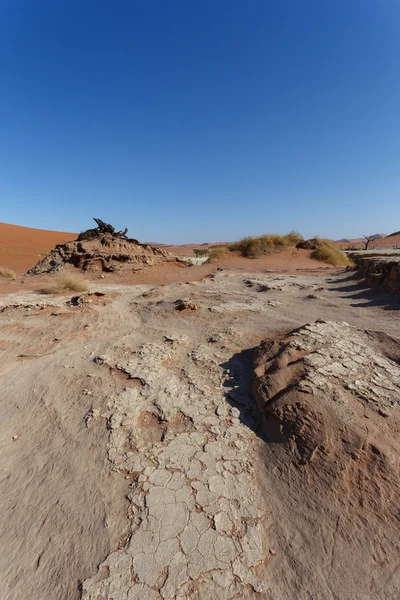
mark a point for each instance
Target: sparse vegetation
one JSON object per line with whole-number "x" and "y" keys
{"x": 367, "y": 240}
{"x": 217, "y": 253}
{"x": 252, "y": 247}
{"x": 331, "y": 255}
{"x": 293, "y": 238}
{"x": 67, "y": 281}
{"x": 200, "y": 252}
{"x": 7, "y": 273}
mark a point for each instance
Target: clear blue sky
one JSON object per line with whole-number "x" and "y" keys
{"x": 201, "y": 120}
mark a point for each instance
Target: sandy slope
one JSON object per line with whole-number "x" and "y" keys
{"x": 162, "y": 384}
{"x": 21, "y": 247}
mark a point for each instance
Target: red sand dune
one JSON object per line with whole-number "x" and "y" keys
{"x": 22, "y": 247}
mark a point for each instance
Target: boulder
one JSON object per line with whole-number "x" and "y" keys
{"x": 379, "y": 271}
{"x": 311, "y": 244}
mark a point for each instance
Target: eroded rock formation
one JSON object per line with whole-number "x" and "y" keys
{"x": 381, "y": 271}
{"x": 311, "y": 244}
{"x": 103, "y": 249}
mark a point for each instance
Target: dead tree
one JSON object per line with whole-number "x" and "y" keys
{"x": 104, "y": 227}
{"x": 103, "y": 231}
{"x": 368, "y": 240}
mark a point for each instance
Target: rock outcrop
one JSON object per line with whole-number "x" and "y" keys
{"x": 381, "y": 271}
{"x": 103, "y": 249}
{"x": 311, "y": 244}
{"x": 329, "y": 396}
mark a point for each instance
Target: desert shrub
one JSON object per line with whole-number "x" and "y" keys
{"x": 331, "y": 255}
{"x": 279, "y": 241}
{"x": 249, "y": 247}
{"x": 200, "y": 252}
{"x": 68, "y": 281}
{"x": 7, "y": 273}
{"x": 252, "y": 247}
{"x": 293, "y": 238}
{"x": 218, "y": 253}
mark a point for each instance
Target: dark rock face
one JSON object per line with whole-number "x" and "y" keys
{"x": 312, "y": 244}
{"x": 381, "y": 271}
{"x": 103, "y": 249}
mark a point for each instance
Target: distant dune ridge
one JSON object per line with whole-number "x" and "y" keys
{"x": 22, "y": 247}
{"x": 374, "y": 237}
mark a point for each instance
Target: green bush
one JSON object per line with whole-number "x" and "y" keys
{"x": 200, "y": 251}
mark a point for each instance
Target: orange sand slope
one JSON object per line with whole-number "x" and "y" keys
{"x": 22, "y": 247}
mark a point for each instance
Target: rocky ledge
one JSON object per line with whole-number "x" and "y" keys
{"x": 382, "y": 271}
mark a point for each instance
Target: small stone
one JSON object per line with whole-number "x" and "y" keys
{"x": 216, "y": 430}
{"x": 99, "y": 360}
{"x": 222, "y": 410}
{"x": 185, "y": 304}
{"x": 92, "y": 414}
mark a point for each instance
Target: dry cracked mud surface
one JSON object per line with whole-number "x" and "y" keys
{"x": 226, "y": 451}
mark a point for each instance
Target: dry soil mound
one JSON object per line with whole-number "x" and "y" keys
{"x": 329, "y": 398}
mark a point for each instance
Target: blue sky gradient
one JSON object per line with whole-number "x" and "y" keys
{"x": 200, "y": 120}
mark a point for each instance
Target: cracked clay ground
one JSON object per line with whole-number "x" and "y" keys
{"x": 155, "y": 441}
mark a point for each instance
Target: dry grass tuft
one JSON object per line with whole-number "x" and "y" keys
{"x": 67, "y": 281}
{"x": 217, "y": 253}
{"x": 252, "y": 247}
{"x": 330, "y": 255}
{"x": 7, "y": 273}
{"x": 293, "y": 238}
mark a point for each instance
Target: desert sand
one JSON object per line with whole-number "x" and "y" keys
{"x": 223, "y": 431}
{"x": 22, "y": 247}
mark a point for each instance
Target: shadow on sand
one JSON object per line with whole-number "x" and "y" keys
{"x": 357, "y": 290}
{"x": 238, "y": 390}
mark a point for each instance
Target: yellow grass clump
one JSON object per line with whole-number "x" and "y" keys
{"x": 330, "y": 255}
{"x": 293, "y": 238}
{"x": 217, "y": 253}
{"x": 252, "y": 247}
{"x": 7, "y": 273}
{"x": 68, "y": 281}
